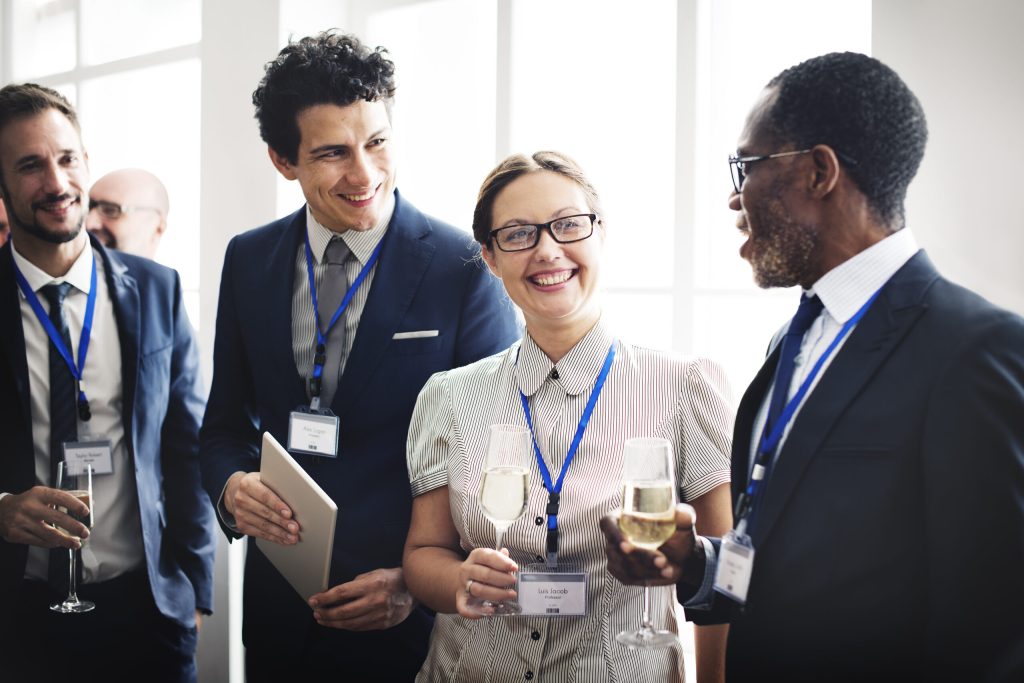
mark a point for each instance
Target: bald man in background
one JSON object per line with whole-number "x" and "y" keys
{"x": 5, "y": 228}
{"x": 128, "y": 211}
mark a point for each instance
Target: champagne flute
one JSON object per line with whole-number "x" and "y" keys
{"x": 75, "y": 479}
{"x": 648, "y": 519}
{"x": 503, "y": 494}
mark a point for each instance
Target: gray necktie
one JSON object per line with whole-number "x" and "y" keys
{"x": 332, "y": 290}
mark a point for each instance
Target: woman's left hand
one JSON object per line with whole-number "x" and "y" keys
{"x": 485, "y": 575}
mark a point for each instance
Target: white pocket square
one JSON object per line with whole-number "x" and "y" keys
{"x": 420, "y": 334}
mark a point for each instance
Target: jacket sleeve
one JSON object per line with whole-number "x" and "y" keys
{"x": 487, "y": 321}
{"x": 229, "y": 438}
{"x": 190, "y": 528}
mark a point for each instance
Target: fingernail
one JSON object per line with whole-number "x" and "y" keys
{"x": 293, "y": 528}
{"x": 313, "y": 603}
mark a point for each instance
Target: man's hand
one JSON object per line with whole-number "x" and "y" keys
{"x": 258, "y": 511}
{"x": 681, "y": 557}
{"x": 25, "y": 518}
{"x": 371, "y": 601}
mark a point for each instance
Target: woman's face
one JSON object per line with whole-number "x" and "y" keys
{"x": 554, "y": 284}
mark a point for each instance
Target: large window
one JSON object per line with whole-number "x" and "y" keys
{"x": 131, "y": 67}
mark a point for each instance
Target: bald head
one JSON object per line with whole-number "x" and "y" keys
{"x": 129, "y": 211}
{"x": 5, "y": 229}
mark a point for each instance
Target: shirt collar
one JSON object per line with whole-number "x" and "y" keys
{"x": 848, "y": 286}
{"x": 79, "y": 276}
{"x": 360, "y": 243}
{"x": 577, "y": 370}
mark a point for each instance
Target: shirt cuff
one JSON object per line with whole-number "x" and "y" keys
{"x": 226, "y": 518}
{"x": 705, "y": 595}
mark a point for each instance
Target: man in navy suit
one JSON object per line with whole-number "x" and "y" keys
{"x": 340, "y": 311}
{"x": 130, "y": 387}
{"x": 878, "y": 458}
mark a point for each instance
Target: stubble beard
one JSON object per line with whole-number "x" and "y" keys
{"x": 782, "y": 254}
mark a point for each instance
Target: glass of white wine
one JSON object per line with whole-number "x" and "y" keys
{"x": 648, "y": 519}
{"x": 75, "y": 479}
{"x": 503, "y": 492}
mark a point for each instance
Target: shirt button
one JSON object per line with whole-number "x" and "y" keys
{"x": 538, "y": 521}
{"x": 535, "y": 635}
{"x": 539, "y": 558}
{"x": 528, "y": 676}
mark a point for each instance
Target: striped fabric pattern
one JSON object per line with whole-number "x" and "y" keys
{"x": 648, "y": 393}
{"x": 362, "y": 245}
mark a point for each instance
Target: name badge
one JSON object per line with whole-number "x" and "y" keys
{"x": 99, "y": 454}
{"x": 313, "y": 433}
{"x": 547, "y": 592}
{"x": 735, "y": 565}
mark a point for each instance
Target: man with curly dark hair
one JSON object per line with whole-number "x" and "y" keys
{"x": 878, "y": 456}
{"x": 329, "y": 323}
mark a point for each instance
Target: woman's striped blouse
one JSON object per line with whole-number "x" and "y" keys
{"x": 647, "y": 393}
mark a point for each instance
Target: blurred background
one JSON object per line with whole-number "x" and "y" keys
{"x": 649, "y": 96}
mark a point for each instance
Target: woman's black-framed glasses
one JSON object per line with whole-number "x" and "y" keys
{"x": 563, "y": 230}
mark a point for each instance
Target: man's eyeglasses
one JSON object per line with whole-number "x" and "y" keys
{"x": 563, "y": 230}
{"x": 738, "y": 165}
{"x": 114, "y": 211}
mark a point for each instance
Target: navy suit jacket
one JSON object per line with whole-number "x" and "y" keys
{"x": 890, "y": 545}
{"x": 162, "y": 404}
{"x": 428, "y": 277}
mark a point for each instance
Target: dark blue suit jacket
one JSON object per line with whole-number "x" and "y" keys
{"x": 428, "y": 278}
{"x": 162, "y": 404}
{"x": 891, "y": 542}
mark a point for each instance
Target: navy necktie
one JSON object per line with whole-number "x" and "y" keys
{"x": 810, "y": 308}
{"x": 63, "y": 416}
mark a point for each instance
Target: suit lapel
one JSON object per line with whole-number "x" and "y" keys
{"x": 124, "y": 296}
{"x": 278, "y": 301}
{"x": 874, "y": 339}
{"x": 13, "y": 337}
{"x": 745, "y": 416}
{"x": 403, "y": 261}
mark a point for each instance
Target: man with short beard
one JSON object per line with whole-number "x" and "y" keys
{"x": 98, "y": 365}
{"x": 878, "y": 456}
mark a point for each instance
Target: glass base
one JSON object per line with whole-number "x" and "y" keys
{"x": 643, "y": 639}
{"x": 73, "y": 606}
{"x": 507, "y": 608}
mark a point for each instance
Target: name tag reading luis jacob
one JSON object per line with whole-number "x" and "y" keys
{"x": 313, "y": 434}
{"x": 546, "y": 593}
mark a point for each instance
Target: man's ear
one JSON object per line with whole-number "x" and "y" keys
{"x": 282, "y": 164}
{"x": 826, "y": 170}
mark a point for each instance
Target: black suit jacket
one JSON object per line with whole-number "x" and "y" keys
{"x": 162, "y": 403}
{"x": 428, "y": 277}
{"x": 890, "y": 545}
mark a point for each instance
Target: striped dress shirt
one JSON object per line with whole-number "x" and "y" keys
{"x": 647, "y": 393}
{"x": 361, "y": 244}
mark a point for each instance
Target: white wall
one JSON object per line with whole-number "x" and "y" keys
{"x": 964, "y": 61}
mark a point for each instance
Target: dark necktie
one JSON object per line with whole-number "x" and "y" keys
{"x": 810, "y": 308}
{"x": 63, "y": 416}
{"x": 332, "y": 290}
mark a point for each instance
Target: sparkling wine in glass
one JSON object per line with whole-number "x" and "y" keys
{"x": 75, "y": 479}
{"x": 648, "y": 519}
{"x": 504, "y": 489}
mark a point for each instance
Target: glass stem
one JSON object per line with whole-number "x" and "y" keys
{"x": 499, "y": 534}
{"x": 72, "y": 574}
{"x": 648, "y": 626}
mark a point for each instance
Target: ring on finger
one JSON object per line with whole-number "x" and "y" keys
{"x": 469, "y": 586}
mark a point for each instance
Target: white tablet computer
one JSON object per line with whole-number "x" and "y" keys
{"x": 306, "y": 564}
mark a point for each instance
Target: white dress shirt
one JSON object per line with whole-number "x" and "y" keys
{"x": 115, "y": 544}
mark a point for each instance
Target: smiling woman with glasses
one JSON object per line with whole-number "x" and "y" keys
{"x": 582, "y": 391}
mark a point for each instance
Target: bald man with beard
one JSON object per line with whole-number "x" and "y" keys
{"x": 128, "y": 211}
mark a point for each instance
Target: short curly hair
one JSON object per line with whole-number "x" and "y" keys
{"x": 863, "y": 110}
{"x": 513, "y": 167}
{"x": 328, "y": 68}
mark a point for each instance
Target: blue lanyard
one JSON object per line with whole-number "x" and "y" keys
{"x": 770, "y": 439}
{"x": 555, "y": 489}
{"x": 55, "y": 336}
{"x": 320, "y": 357}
